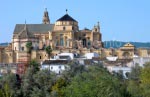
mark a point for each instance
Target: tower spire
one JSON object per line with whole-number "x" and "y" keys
{"x": 98, "y": 25}
{"x": 46, "y": 19}
{"x": 25, "y": 25}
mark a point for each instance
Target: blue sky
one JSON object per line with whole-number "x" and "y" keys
{"x": 124, "y": 20}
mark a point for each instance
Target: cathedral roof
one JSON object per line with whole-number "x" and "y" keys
{"x": 66, "y": 17}
{"x": 24, "y": 33}
{"x": 34, "y": 28}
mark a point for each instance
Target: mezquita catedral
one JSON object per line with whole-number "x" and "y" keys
{"x": 64, "y": 36}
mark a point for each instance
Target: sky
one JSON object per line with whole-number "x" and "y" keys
{"x": 121, "y": 20}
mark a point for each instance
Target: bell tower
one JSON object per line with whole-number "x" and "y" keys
{"x": 46, "y": 19}
{"x": 96, "y": 32}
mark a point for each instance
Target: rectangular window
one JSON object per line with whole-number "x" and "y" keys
{"x": 72, "y": 28}
{"x": 59, "y": 67}
{"x": 64, "y": 28}
{"x": 22, "y": 48}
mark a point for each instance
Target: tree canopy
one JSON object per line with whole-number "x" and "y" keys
{"x": 78, "y": 81}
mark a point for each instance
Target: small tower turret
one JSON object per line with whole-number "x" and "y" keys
{"x": 46, "y": 19}
{"x": 96, "y": 28}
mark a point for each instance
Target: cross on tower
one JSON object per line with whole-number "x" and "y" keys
{"x": 66, "y": 11}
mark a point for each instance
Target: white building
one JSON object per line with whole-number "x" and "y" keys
{"x": 116, "y": 69}
{"x": 59, "y": 63}
{"x": 63, "y": 56}
{"x": 140, "y": 60}
{"x": 111, "y": 58}
{"x": 56, "y": 66}
{"x": 91, "y": 55}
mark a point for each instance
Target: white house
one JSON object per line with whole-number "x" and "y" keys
{"x": 59, "y": 63}
{"x": 111, "y": 58}
{"x": 56, "y": 66}
{"x": 91, "y": 55}
{"x": 8, "y": 68}
{"x": 63, "y": 56}
{"x": 116, "y": 69}
{"x": 140, "y": 60}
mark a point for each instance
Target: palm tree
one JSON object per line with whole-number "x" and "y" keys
{"x": 48, "y": 50}
{"x": 29, "y": 47}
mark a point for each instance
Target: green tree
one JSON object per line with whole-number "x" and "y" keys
{"x": 96, "y": 82}
{"x": 28, "y": 82}
{"x": 135, "y": 73}
{"x": 13, "y": 83}
{"x": 48, "y": 50}
{"x": 37, "y": 84}
{"x": 139, "y": 82}
{"x": 1, "y": 93}
{"x": 29, "y": 47}
{"x": 57, "y": 87}
{"x": 5, "y": 91}
{"x": 36, "y": 66}
{"x": 133, "y": 86}
{"x": 145, "y": 80}
{"x": 43, "y": 84}
{"x": 74, "y": 69}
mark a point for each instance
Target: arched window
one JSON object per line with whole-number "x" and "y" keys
{"x": 95, "y": 29}
{"x": 61, "y": 40}
{"x": 56, "y": 41}
{"x": 89, "y": 43}
{"x": 72, "y": 28}
{"x": 66, "y": 41}
{"x": 126, "y": 55}
{"x": 84, "y": 42}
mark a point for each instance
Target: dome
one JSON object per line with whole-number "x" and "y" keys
{"x": 66, "y": 17}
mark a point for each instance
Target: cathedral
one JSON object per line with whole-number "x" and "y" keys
{"x": 63, "y": 36}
